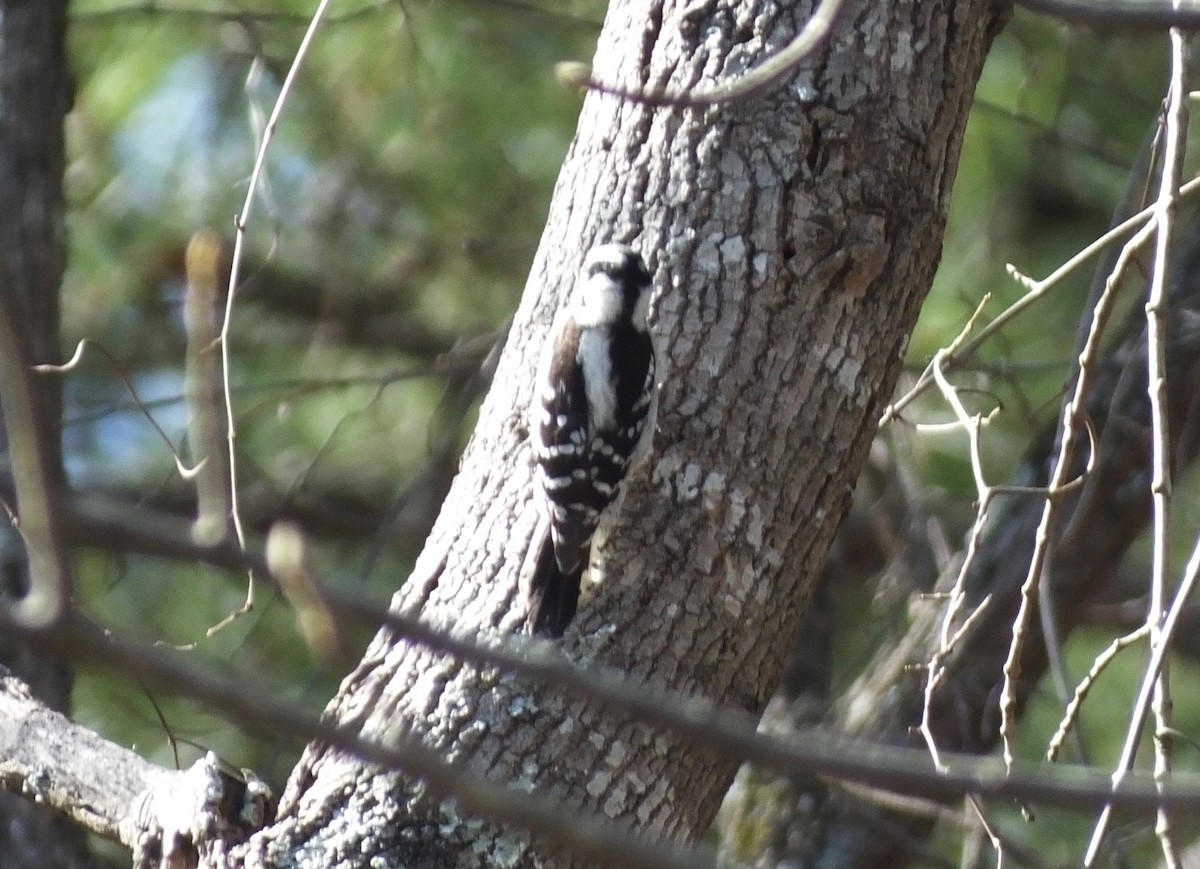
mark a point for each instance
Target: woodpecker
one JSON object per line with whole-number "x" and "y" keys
{"x": 592, "y": 420}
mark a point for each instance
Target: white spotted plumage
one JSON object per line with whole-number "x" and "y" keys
{"x": 592, "y": 420}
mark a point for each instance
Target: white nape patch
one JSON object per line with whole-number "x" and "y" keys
{"x": 598, "y": 378}
{"x": 599, "y": 302}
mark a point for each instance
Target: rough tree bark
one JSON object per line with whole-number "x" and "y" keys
{"x": 793, "y": 238}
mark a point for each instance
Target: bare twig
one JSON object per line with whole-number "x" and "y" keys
{"x": 1141, "y": 705}
{"x": 181, "y": 466}
{"x": 770, "y": 72}
{"x": 225, "y": 13}
{"x": 1081, "y": 690}
{"x": 988, "y": 829}
{"x": 34, "y": 476}
{"x": 219, "y": 13}
{"x": 287, "y": 559}
{"x": 1175, "y": 119}
{"x": 243, "y": 219}
{"x": 203, "y": 385}
{"x": 1176, "y": 122}
{"x": 1116, "y": 15}
{"x": 451, "y": 363}
{"x": 957, "y": 596}
{"x": 1071, "y": 419}
{"x": 1036, "y": 289}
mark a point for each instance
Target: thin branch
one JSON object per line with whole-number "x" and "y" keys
{"x": 1116, "y": 15}
{"x": 240, "y": 237}
{"x": 34, "y": 477}
{"x": 1099, "y": 665}
{"x": 1036, "y": 290}
{"x": 223, "y": 14}
{"x": 733, "y": 734}
{"x": 219, "y": 14}
{"x": 770, "y": 72}
{"x": 448, "y": 365}
{"x": 1072, "y": 416}
{"x": 203, "y": 384}
{"x": 988, "y": 828}
{"x": 1134, "y": 197}
{"x": 287, "y": 559}
{"x": 1103, "y": 151}
{"x": 1158, "y": 654}
{"x": 1175, "y": 119}
{"x": 957, "y": 595}
{"x": 1176, "y": 123}
{"x": 181, "y": 466}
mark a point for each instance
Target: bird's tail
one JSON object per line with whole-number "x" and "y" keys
{"x": 553, "y": 593}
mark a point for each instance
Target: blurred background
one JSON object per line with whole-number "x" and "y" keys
{"x": 402, "y": 201}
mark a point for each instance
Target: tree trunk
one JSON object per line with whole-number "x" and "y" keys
{"x": 793, "y": 238}
{"x": 35, "y": 93}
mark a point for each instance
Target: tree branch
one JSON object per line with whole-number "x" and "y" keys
{"x": 1107, "y": 15}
